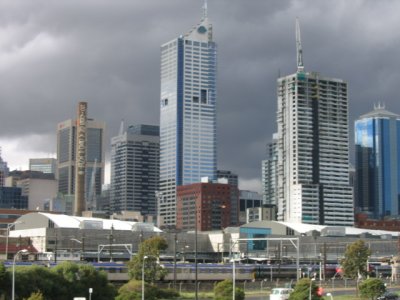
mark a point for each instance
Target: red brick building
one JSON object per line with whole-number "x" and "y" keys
{"x": 362, "y": 221}
{"x": 211, "y": 202}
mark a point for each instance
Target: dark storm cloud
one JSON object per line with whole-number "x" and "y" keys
{"x": 55, "y": 53}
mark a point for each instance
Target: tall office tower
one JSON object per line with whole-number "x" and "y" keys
{"x": 187, "y": 114}
{"x": 269, "y": 174}
{"x": 135, "y": 166}
{"x": 313, "y": 148}
{"x": 67, "y": 155}
{"x": 3, "y": 170}
{"x": 377, "y": 139}
{"x": 45, "y": 165}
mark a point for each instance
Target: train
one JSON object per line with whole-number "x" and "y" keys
{"x": 183, "y": 271}
{"x": 211, "y": 271}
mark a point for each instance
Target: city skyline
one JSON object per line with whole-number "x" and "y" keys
{"x": 109, "y": 56}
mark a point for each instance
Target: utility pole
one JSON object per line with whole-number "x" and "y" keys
{"x": 175, "y": 241}
{"x": 111, "y": 241}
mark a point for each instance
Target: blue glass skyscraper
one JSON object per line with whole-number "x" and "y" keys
{"x": 188, "y": 148}
{"x": 377, "y": 140}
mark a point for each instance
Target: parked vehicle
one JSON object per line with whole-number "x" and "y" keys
{"x": 388, "y": 296}
{"x": 280, "y": 294}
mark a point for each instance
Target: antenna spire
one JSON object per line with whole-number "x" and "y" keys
{"x": 122, "y": 127}
{"x": 205, "y": 12}
{"x": 299, "y": 49}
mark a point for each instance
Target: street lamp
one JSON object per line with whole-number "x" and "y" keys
{"x": 144, "y": 258}
{"x": 82, "y": 243}
{"x": 90, "y": 293}
{"x": 13, "y": 273}
{"x": 233, "y": 268}
{"x": 329, "y": 295}
{"x": 8, "y": 233}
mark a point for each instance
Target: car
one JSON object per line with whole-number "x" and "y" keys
{"x": 280, "y": 293}
{"x": 388, "y": 296}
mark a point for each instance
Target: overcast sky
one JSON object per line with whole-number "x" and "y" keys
{"x": 56, "y": 53}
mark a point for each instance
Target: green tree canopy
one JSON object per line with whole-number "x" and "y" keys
{"x": 355, "y": 259}
{"x": 63, "y": 282}
{"x": 302, "y": 290}
{"x": 372, "y": 288}
{"x": 4, "y": 280}
{"x": 150, "y": 249}
{"x": 133, "y": 291}
{"x": 223, "y": 291}
{"x": 36, "y": 296}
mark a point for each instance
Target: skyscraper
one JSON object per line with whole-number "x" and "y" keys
{"x": 269, "y": 174}
{"x": 233, "y": 181}
{"x": 188, "y": 149}
{"x": 3, "y": 170}
{"x": 67, "y": 141}
{"x": 377, "y": 139}
{"x": 313, "y": 148}
{"x": 45, "y": 165}
{"x": 135, "y": 165}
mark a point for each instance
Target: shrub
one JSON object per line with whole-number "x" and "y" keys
{"x": 372, "y": 288}
{"x": 223, "y": 291}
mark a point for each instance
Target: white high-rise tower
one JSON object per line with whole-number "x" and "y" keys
{"x": 313, "y": 148}
{"x": 188, "y": 149}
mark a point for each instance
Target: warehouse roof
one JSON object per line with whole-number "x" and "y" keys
{"x": 40, "y": 220}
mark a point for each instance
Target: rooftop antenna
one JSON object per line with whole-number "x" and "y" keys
{"x": 299, "y": 49}
{"x": 205, "y": 12}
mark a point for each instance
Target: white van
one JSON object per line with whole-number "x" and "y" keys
{"x": 280, "y": 294}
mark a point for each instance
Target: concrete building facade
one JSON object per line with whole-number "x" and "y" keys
{"x": 45, "y": 165}
{"x": 269, "y": 174}
{"x": 39, "y": 191}
{"x": 313, "y": 149}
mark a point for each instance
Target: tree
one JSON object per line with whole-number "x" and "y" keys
{"x": 223, "y": 291}
{"x": 355, "y": 259}
{"x": 302, "y": 290}
{"x": 151, "y": 249}
{"x": 372, "y": 288}
{"x": 79, "y": 278}
{"x": 36, "y": 296}
{"x": 4, "y": 280}
{"x": 133, "y": 291}
{"x": 63, "y": 282}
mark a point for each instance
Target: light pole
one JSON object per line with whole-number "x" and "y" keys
{"x": 13, "y": 273}
{"x": 8, "y": 233}
{"x": 82, "y": 243}
{"x": 175, "y": 241}
{"x": 233, "y": 268}
{"x": 330, "y": 295}
{"x": 144, "y": 258}
{"x": 90, "y": 293}
{"x": 195, "y": 251}
{"x": 310, "y": 293}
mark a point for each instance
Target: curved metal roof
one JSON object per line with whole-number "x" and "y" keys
{"x": 65, "y": 221}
